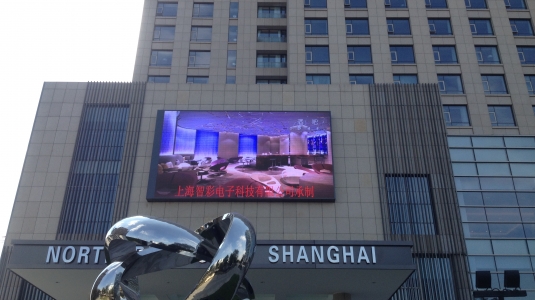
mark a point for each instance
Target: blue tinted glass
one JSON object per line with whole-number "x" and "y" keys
{"x": 494, "y": 84}
{"x": 521, "y": 155}
{"x": 487, "y": 142}
{"x": 475, "y": 4}
{"x": 316, "y": 3}
{"x": 493, "y": 169}
{"x": 464, "y": 169}
{"x": 318, "y": 79}
{"x": 395, "y": 3}
{"x": 233, "y": 10}
{"x": 515, "y": 4}
{"x": 440, "y": 27}
{"x": 513, "y": 263}
{"x": 317, "y": 54}
{"x": 514, "y": 142}
{"x": 398, "y": 26}
{"x": 461, "y": 154}
{"x": 436, "y": 4}
{"x": 316, "y": 26}
{"x": 502, "y": 214}
{"x": 487, "y": 55}
{"x": 164, "y": 33}
{"x": 445, "y": 54}
{"x": 450, "y": 84}
{"x": 166, "y": 9}
{"x": 499, "y": 199}
{"x": 359, "y": 54}
{"x": 355, "y": 3}
{"x": 481, "y": 263}
{"x": 159, "y": 79}
{"x": 473, "y": 214}
{"x": 506, "y": 230}
{"x": 467, "y": 183}
{"x": 402, "y": 54}
{"x": 521, "y": 27}
{"x": 203, "y": 10}
{"x": 496, "y": 183}
{"x": 405, "y": 79}
{"x": 361, "y": 79}
{"x": 526, "y": 54}
{"x": 357, "y": 27}
{"x": 470, "y": 198}
{"x": 501, "y": 115}
{"x": 457, "y": 115}
{"x": 524, "y": 184}
{"x": 161, "y": 58}
{"x": 476, "y": 230}
{"x": 481, "y": 27}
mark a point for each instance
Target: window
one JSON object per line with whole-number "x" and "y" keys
{"x": 318, "y": 79}
{"x": 480, "y": 27}
{"x": 361, "y": 79}
{"x": 232, "y": 34}
{"x": 201, "y": 34}
{"x": 357, "y": 27}
{"x": 398, "y": 26}
{"x": 439, "y": 26}
{"x": 395, "y": 3}
{"x": 405, "y": 78}
{"x": 271, "y": 60}
{"x": 231, "y": 79}
{"x": 164, "y": 33}
{"x": 487, "y": 55}
{"x": 233, "y": 11}
{"x": 359, "y": 54}
{"x": 494, "y": 84}
{"x": 316, "y": 27}
{"x": 159, "y": 58}
{"x": 317, "y": 54}
{"x": 410, "y": 204}
{"x": 521, "y": 27}
{"x": 456, "y": 115}
{"x": 270, "y": 81}
{"x": 402, "y": 54}
{"x": 450, "y": 84}
{"x": 159, "y": 79}
{"x": 271, "y": 35}
{"x": 166, "y": 9}
{"x": 203, "y": 10}
{"x": 475, "y": 4}
{"x": 526, "y": 54}
{"x": 436, "y": 4}
{"x": 355, "y": 4}
{"x": 274, "y": 12}
{"x": 200, "y": 59}
{"x": 315, "y": 3}
{"x": 515, "y": 4}
{"x": 231, "y": 59}
{"x": 530, "y": 83}
{"x": 501, "y": 115}
{"x": 197, "y": 79}
{"x": 445, "y": 54}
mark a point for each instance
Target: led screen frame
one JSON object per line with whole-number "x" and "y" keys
{"x": 246, "y": 156}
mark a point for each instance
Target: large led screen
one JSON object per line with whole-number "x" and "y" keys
{"x": 242, "y": 156}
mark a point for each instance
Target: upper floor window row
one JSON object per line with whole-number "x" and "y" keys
{"x": 515, "y": 4}
{"x": 359, "y": 54}
{"x": 475, "y": 4}
{"x": 317, "y": 54}
{"x": 445, "y": 54}
{"x": 487, "y": 55}
{"x": 402, "y": 54}
{"x": 355, "y": 3}
{"x": 274, "y": 12}
{"x": 316, "y": 27}
{"x": 164, "y": 33}
{"x": 521, "y": 27}
{"x": 203, "y": 10}
{"x": 357, "y": 27}
{"x": 439, "y": 26}
{"x": 164, "y": 9}
{"x": 315, "y": 3}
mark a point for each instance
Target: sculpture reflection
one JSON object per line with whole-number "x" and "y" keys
{"x": 139, "y": 245}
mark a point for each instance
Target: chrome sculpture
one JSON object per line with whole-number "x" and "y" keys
{"x": 139, "y": 245}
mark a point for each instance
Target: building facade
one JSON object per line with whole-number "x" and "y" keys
{"x": 428, "y": 142}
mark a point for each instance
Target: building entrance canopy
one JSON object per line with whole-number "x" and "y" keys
{"x": 363, "y": 269}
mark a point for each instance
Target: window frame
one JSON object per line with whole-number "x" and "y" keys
{"x": 443, "y": 87}
{"x": 195, "y": 31}
{"x": 476, "y": 22}
{"x": 393, "y": 23}
{"x": 497, "y": 122}
{"x": 158, "y": 32}
{"x": 309, "y": 54}
{"x": 460, "y": 123}
{"x": 154, "y": 58}
{"x": 355, "y": 76}
{"x": 436, "y": 30}
{"x": 197, "y": 8}
{"x": 395, "y": 57}
{"x": 196, "y": 77}
{"x": 194, "y": 59}
{"x": 526, "y": 24}
{"x": 490, "y": 89}
{"x": 482, "y": 58}
{"x": 351, "y": 50}
{"x": 355, "y": 25}
{"x": 313, "y": 76}
{"x": 312, "y": 26}
{"x": 440, "y": 61}
{"x": 160, "y": 11}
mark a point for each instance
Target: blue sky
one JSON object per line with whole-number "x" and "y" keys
{"x": 55, "y": 40}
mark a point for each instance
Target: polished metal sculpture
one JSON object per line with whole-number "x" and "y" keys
{"x": 139, "y": 245}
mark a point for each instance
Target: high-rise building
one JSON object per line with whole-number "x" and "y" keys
{"x": 346, "y": 131}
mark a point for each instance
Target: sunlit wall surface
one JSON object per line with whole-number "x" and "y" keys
{"x": 495, "y": 181}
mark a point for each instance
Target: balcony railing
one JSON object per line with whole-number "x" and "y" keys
{"x": 271, "y": 39}
{"x": 266, "y": 64}
{"x": 272, "y": 15}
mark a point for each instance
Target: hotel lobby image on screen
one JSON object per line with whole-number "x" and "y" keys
{"x": 242, "y": 155}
